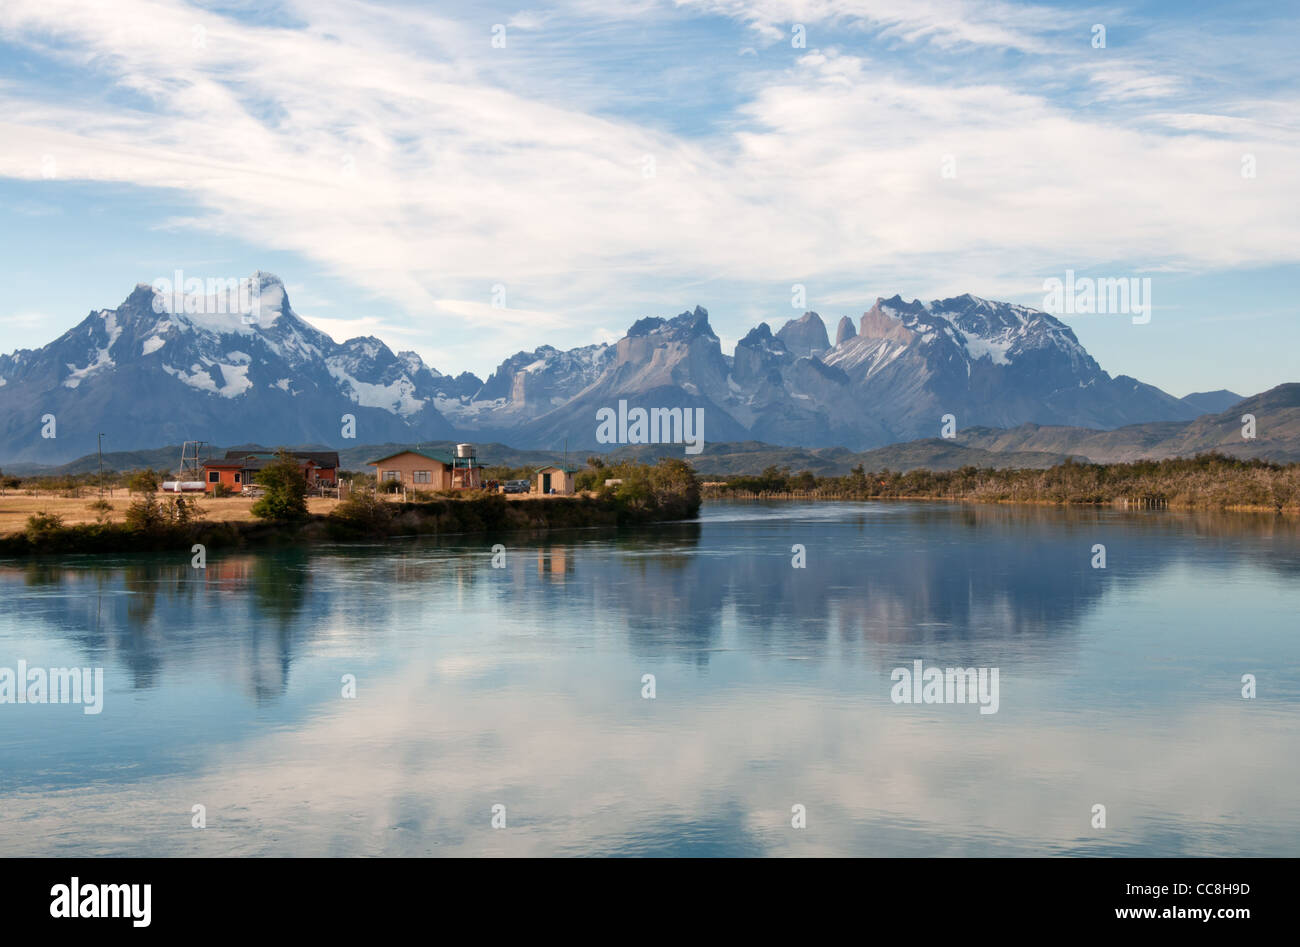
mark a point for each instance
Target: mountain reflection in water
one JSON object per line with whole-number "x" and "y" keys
{"x": 522, "y": 686}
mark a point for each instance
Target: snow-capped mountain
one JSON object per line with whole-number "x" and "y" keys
{"x": 526, "y": 386}
{"x": 892, "y": 379}
{"x": 987, "y": 363}
{"x": 152, "y": 372}
{"x": 143, "y": 374}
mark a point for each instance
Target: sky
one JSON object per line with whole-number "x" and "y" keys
{"x": 469, "y": 180}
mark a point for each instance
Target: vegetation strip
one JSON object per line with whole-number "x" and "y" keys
{"x": 645, "y": 493}
{"x": 1205, "y": 482}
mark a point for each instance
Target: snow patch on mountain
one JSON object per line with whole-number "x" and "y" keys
{"x": 101, "y": 361}
{"x": 398, "y": 396}
{"x": 995, "y": 350}
{"x": 874, "y": 353}
{"x": 234, "y": 378}
{"x": 245, "y": 308}
{"x": 100, "y": 358}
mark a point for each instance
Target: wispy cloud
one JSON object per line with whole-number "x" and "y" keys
{"x": 382, "y": 144}
{"x": 943, "y": 23}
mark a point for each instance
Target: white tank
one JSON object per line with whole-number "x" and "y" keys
{"x": 184, "y": 486}
{"x": 464, "y": 450}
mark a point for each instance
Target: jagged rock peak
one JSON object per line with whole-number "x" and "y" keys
{"x": 805, "y": 335}
{"x": 845, "y": 330}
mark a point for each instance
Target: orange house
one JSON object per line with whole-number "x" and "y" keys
{"x": 229, "y": 475}
{"x": 239, "y": 469}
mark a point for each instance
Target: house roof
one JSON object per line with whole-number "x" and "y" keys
{"x": 557, "y": 467}
{"x": 321, "y": 458}
{"x": 461, "y": 463}
{"x": 436, "y": 460}
{"x": 254, "y": 462}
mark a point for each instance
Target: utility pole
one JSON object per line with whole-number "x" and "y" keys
{"x": 101, "y": 465}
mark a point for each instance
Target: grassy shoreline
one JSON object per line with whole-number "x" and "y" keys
{"x": 714, "y": 494}
{"x": 489, "y": 514}
{"x": 650, "y": 495}
{"x": 1208, "y": 482}
{"x": 671, "y": 491}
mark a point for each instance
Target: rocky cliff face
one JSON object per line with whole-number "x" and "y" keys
{"x": 805, "y": 335}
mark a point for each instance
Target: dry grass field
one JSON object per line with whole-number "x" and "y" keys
{"x": 15, "y": 507}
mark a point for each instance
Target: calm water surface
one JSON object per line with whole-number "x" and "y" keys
{"x": 522, "y": 687}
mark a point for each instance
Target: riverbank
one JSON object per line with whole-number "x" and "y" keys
{"x": 1118, "y": 504}
{"x": 652, "y": 494}
{"x": 488, "y": 514}
{"x": 17, "y": 507}
{"x": 1209, "y": 482}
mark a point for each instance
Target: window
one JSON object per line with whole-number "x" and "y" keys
{"x": 238, "y": 477}
{"x": 391, "y": 475}
{"x": 421, "y": 476}
{"x": 214, "y": 476}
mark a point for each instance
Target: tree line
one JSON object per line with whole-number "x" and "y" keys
{"x": 1206, "y": 481}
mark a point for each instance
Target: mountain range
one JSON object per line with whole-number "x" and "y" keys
{"x": 149, "y": 372}
{"x": 1277, "y": 438}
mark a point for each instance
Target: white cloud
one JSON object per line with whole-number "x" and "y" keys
{"x": 1125, "y": 81}
{"x": 372, "y": 142}
{"x": 945, "y": 23}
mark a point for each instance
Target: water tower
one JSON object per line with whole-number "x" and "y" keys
{"x": 466, "y": 473}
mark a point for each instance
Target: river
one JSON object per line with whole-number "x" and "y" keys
{"x": 682, "y": 689}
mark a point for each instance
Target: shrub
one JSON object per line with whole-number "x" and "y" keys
{"x": 146, "y": 515}
{"x": 143, "y": 481}
{"x": 357, "y": 480}
{"x": 149, "y": 514}
{"x": 286, "y": 490}
{"x": 362, "y": 510}
{"x": 666, "y": 490}
{"x": 42, "y": 524}
{"x": 182, "y": 511}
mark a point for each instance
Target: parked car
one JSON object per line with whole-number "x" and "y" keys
{"x": 516, "y": 486}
